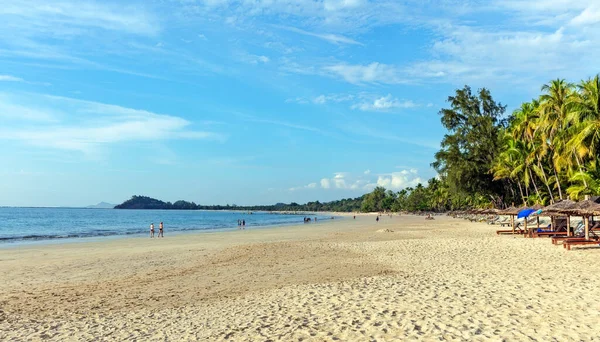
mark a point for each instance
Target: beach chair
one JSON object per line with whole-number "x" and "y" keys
{"x": 590, "y": 241}
{"x": 493, "y": 220}
{"x": 561, "y": 230}
{"x": 580, "y": 238}
{"x": 505, "y": 223}
{"x": 578, "y": 233}
{"x": 518, "y": 230}
{"x": 501, "y": 221}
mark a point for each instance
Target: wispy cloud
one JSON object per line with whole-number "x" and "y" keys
{"x": 369, "y": 73}
{"x": 253, "y": 59}
{"x": 383, "y": 104}
{"x": 85, "y": 126}
{"x": 70, "y": 18}
{"x": 329, "y": 37}
{"x": 251, "y": 118}
{"x": 362, "y": 101}
{"x": 9, "y": 78}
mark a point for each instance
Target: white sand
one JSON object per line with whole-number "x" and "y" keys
{"x": 340, "y": 280}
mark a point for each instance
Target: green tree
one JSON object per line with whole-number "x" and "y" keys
{"x": 470, "y": 148}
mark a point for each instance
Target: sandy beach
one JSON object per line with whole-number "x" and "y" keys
{"x": 403, "y": 278}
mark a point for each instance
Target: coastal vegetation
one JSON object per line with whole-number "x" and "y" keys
{"x": 544, "y": 151}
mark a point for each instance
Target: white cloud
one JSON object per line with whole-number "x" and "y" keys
{"x": 366, "y": 181}
{"x": 309, "y": 186}
{"x": 370, "y": 73}
{"x": 329, "y": 37}
{"x": 335, "y": 5}
{"x": 9, "y": 78}
{"x": 201, "y": 36}
{"x": 383, "y": 103}
{"x": 65, "y": 18}
{"x": 322, "y": 99}
{"x": 254, "y": 59}
{"x": 399, "y": 180}
{"x": 363, "y": 101}
{"x": 85, "y": 126}
{"x": 588, "y": 16}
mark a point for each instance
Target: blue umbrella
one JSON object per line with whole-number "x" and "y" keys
{"x": 525, "y": 212}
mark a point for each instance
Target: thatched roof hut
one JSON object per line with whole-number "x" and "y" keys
{"x": 558, "y": 208}
{"x": 510, "y": 211}
{"x": 583, "y": 208}
{"x": 489, "y": 211}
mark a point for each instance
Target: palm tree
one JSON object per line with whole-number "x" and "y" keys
{"x": 525, "y": 128}
{"x": 506, "y": 164}
{"x": 554, "y": 109}
{"x": 585, "y": 119}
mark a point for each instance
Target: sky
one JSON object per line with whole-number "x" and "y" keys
{"x": 258, "y": 101}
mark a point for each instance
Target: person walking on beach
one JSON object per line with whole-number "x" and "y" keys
{"x": 160, "y": 230}
{"x": 152, "y": 230}
{"x": 243, "y": 224}
{"x": 377, "y": 219}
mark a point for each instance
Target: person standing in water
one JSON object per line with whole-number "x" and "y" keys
{"x": 243, "y": 224}
{"x": 152, "y": 230}
{"x": 377, "y": 219}
{"x": 160, "y": 230}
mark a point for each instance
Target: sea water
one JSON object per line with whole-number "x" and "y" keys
{"x": 21, "y": 225}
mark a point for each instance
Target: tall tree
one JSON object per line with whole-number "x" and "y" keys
{"x": 469, "y": 149}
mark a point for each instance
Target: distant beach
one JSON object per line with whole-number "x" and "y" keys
{"x": 402, "y": 278}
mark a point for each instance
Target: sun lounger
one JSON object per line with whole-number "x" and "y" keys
{"x": 493, "y": 220}
{"x": 561, "y": 230}
{"x": 580, "y": 237}
{"x": 568, "y": 244}
{"x": 518, "y": 230}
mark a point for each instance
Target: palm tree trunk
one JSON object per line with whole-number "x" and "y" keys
{"x": 557, "y": 184}
{"x": 546, "y": 181}
{"x": 534, "y": 185}
{"x": 521, "y": 191}
{"x": 581, "y": 170}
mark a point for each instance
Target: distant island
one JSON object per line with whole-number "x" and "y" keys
{"x": 145, "y": 202}
{"x": 101, "y": 205}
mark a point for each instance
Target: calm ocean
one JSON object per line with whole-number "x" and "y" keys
{"x": 21, "y": 225}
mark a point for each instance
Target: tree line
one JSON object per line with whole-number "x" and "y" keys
{"x": 545, "y": 151}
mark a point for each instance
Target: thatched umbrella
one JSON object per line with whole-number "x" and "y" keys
{"x": 489, "y": 211}
{"x": 512, "y": 211}
{"x": 585, "y": 208}
{"x": 558, "y": 208}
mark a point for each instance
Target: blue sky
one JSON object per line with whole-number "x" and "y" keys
{"x": 258, "y": 101}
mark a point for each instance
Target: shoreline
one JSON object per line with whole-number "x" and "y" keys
{"x": 57, "y": 239}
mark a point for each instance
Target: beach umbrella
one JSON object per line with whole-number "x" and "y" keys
{"x": 585, "y": 208}
{"x": 557, "y": 209}
{"x": 525, "y": 213}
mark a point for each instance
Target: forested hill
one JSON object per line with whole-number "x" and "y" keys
{"x": 144, "y": 202}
